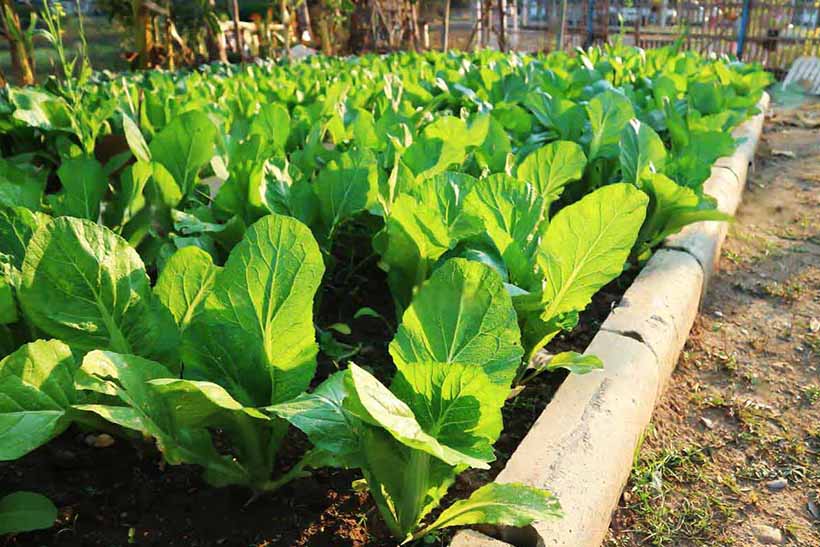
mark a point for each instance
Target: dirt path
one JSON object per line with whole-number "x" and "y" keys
{"x": 733, "y": 453}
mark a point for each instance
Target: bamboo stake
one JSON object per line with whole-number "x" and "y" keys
{"x": 445, "y": 40}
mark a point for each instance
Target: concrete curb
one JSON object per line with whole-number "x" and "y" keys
{"x": 582, "y": 446}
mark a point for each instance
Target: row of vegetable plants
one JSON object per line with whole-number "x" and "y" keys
{"x": 167, "y": 239}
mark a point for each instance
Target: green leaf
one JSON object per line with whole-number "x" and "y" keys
{"x": 495, "y": 150}
{"x": 321, "y": 416}
{"x": 162, "y": 188}
{"x": 370, "y": 401}
{"x": 423, "y": 224}
{"x": 576, "y": 363}
{"x": 499, "y": 504}
{"x": 273, "y": 123}
{"x": 584, "y": 248}
{"x": 347, "y": 186}
{"x": 17, "y": 226}
{"x": 692, "y": 164}
{"x": 609, "y": 113}
{"x": 441, "y": 144}
{"x": 707, "y": 97}
{"x": 642, "y": 152}
{"x": 456, "y": 403}
{"x": 85, "y": 285}
{"x": 242, "y": 194}
{"x": 362, "y": 128}
{"x": 8, "y": 304}
{"x": 550, "y": 168}
{"x": 36, "y": 389}
{"x": 21, "y": 187}
{"x": 129, "y": 199}
{"x": 136, "y": 142}
{"x": 254, "y": 333}
{"x": 144, "y": 408}
{"x": 586, "y": 245}
{"x": 84, "y": 186}
{"x": 26, "y": 511}
{"x": 563, "y": 116}
{"x": 513, "y": 215}
{"x": 463, "y": 314}
{"x": 185, "y": 281}
{"x": 671, "y": 207}
{"x": 202, "y": 404}
{"x": 39, "y": 109}
{"x": 185, "y": 146}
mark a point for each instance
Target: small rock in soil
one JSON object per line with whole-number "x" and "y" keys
{"x": 777, "y": 484}
{"x": 104, "y": 440}
{"x": 707, "y": 423}
{"x": 814, "y": 509}
{"x": 814, "y": 325}
{"x": 767, "y": 535}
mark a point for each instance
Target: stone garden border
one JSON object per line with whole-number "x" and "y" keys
{"x": 583, "y": 444}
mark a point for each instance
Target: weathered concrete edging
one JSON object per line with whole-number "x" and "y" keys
{"x": 583, "y": 444}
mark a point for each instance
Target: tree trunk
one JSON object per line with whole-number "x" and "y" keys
{"x": 21, "y": 59}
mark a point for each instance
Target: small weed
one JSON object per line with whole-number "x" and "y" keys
{"x": 813, "y": 341}
{"x": 789, "y": 291}
{"x": 734, "y": 258}
{"x": 811, "y": 393}
{"x": 668, "y": 519}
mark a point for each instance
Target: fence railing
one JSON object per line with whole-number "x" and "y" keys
{"x": 772, "y": 32}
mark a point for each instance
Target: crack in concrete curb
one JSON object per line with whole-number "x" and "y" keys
{"x": 635, "y": 335}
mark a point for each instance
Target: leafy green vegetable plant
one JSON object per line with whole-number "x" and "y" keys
{"x": 247, "y": 342}
{"x": 440, "y": 416}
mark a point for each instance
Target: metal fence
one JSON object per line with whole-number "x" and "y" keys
{"x": 772, "y": 32}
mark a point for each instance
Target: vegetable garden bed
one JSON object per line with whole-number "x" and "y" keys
{"x": 194, "y": 261}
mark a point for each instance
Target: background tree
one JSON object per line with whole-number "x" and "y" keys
{"x": 20, "y": 41}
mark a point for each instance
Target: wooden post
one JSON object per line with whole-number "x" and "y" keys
{"x": 21, "y": 61}
{"x": 502, "y": 25}
{"x": 169, "y": 42}
{"x": 486, "y": 26}
{"x": 479, "y": 22}
{"x": 214, "y": 38}
{"x": 143, "y": 33}
{"x": 286, "y": 25}
{"x": 562, "y": 24}
{"x": 445, "y": 39}
{"x": 324, "y": 32}
{"x": 240, "y": 46}
{"x": 513, "y": 38}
